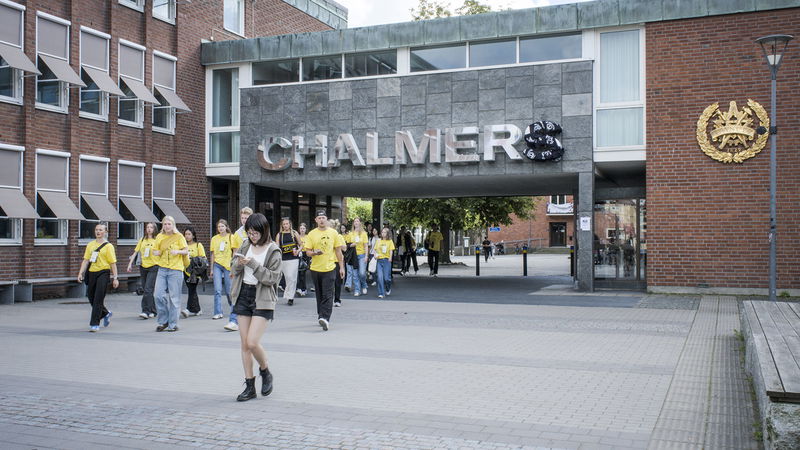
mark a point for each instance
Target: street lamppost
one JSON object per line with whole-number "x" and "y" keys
{"x": 773, "y": 47}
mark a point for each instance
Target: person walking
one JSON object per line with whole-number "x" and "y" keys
{"x": 171, "y": 248}
{"x": 347, "y": 255}
{"x": 290, "y": 244}
{"x": 223, "y": 245}
{"x": 357, "y": 240}
{"x": 148, "y": 269}
{"x": 487, "y": 249}
{"x": 196, "y": 249}
{"x": 98, "y": 265}
{"x": 411, "y": 252}
{"x": 256, "y": 271}
{"x": 244, "y": 213}
{"x": 323, "y": 245}
{"x": 340, "y": 275}
{"x": 374, "y": 237}
{"x": 434, "y": 246}
{"x": 402, "y": 252}
{"x": 302, "y": 269}
{"x": 383, "y": 251}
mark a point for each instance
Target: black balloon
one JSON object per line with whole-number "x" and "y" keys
{"x": 542, "y": 143}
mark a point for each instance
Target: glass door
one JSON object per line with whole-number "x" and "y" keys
{"x": 620, "y": 245}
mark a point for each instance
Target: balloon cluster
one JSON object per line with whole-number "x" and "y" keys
{"x": 542, "y": 143}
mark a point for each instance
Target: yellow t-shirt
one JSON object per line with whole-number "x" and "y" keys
{"x": 384, "y": 249}
{"x": 167, "y": 260}
{"x": 105, "y": 257}
{"x": 195, "y": 249}
{"x": 435, "y": 241}
{"x": 223, "y": 248}
{"x": 145, "y": 247}
{"x": 327, "y": 241}
{"x": 360, "y": 239}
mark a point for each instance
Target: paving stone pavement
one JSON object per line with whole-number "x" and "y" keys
{"x": 390, "y": 374}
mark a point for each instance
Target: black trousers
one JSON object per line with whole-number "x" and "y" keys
{"x": 96, "y": 291}
{"x": 193, "y": 303}
{"x": 301, "y": 280}
{"x": 148, "y": 281}
{"x": 337, "y": 297}
{"x": 408, "y": 258}
{"x": 324, "y": 286}
{"x": 433, "y": 261}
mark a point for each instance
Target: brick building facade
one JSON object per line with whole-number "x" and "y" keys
{"x": 550, "y": 226}
{"x": 162, "y": 35}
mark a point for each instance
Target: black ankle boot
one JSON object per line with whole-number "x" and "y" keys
{"x": 266, "y": 382}
{"x": 249, "y": 390}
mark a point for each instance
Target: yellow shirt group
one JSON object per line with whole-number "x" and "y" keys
{"x": 145, "y": 248}
{"x": 223, "y": 247}
{"x": 435, "y": 241}
{"x": 384, "y": 249}
{"x": 165, "y": 244}
{"x": 327, "y": 241}
{"x": 104, "y": 258}
{"x": 361, "y": 240}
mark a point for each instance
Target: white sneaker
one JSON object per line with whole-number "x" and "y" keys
{"x": 198, "y": 313}
{"x": 364, "y": 291}
{"x": 380, "y": 296}
{"x": 299, "y": 292}
{"x": 143, "y": 316}
{"x": 184, "y": 313}
{"x": 337, "y": 304}
{"x": 323, "y": 323}
{"x": 231, "y": 326}
{"x": 356, "y": 294}
{"x": 151, "y": 315}
{"x": 389, "y": 292}
{"x": 217, "y": 316}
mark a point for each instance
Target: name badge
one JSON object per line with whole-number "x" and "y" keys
{"x": 146, "y": 253}
{"x": 358, "y": 239}
{"x": 222, "y": 246}
{"x": 383, "y": 249}
{"x": 93, "y": 258}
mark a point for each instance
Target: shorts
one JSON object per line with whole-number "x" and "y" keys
{"x": 246, "y": 304}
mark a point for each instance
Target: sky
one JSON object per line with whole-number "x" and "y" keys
{"x": 375, "y": 12}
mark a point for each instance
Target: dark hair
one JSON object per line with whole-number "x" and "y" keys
{"x": 257, "y": 222}
{"x": 194, "y": 233}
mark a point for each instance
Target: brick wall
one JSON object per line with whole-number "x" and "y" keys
{"x": 537, "y": 228}
{"x": 35, "y": 128}
{"x": 708, "y": 221}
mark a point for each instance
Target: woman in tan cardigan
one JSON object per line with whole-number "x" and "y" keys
{"x": 256, "y": 271}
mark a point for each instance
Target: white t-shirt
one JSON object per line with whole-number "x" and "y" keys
{"x": 249, "y": 278}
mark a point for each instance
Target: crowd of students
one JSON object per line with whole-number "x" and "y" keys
{"x": 247, "y": 267}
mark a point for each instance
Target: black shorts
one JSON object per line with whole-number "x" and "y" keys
{"x": 246, "y": 304}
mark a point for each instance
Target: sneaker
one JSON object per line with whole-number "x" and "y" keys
{"x": 143, "y": 316}
{"x": 299, "y": 292}
{"x": 364, "y": 291}
{"x": 198, "y": 313}
{"x": 290, "y": 302}
{"x": 217, "y": 316}
{"x": 373, "y": 283}
{"x": 172, "y": 329}
{"x": 389, "y": 292}
{"x": 232, "y": 326}
{"x": 337, "y": 304}
{"x": 305, "y": 293}
{"x": 151, "y": 315}
{"x": 356, "y": 294}
{"x": 380, "y": 296}
{"x": 347, "y": 288}
{"x": 184, "y": 313}
{"x": 107, "y": 319}
{"x": 313, "y": 290}
{"x": 323, "y": 323}
{"x": 94, "y": 328}
{"x": 161, "y": 327}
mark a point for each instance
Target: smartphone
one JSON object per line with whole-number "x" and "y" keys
{"x": 238, "y": 255}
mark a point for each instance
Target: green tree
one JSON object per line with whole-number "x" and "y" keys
{"x": 433, "y": 9}
{"x": 360, "y": 208}
{"x": 458, "y": 213}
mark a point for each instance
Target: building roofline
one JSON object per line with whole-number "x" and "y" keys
{"x": 532, "y": 21}
{"x": 328, "y": 12}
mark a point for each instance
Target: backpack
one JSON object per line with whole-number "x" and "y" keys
{"x": 198, "y": 269}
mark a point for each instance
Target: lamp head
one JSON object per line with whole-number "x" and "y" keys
{"x": 773, "y": 47}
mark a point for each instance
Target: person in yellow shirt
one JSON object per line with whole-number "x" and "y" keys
{"x": 148, "y": 269}
{"x": 324, "y": 246}
{"x": 357, "y": 238}
{"x": 433, "y": 243}
{"x": 383, "y": 252}
{"x": 195, "y": 249}
{"x": 223, "y": 246}
{"x": 101, "y": 262}
{"x": 171, "y": 247}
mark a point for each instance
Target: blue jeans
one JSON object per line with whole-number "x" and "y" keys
{"x": 222, "y": 280}
{"x": 348, "y": 281}
{"x": 169, "y": 283}
{"x": 360, "y": 274}
{"x": 384, "y": 276}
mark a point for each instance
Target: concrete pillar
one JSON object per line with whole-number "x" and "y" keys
{"x": 377, "y": 213}
{"x": 247, "y": 197}
{"x": 585, "y": 238}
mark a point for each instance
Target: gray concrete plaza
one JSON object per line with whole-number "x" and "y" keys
{"x": 614, "y": 370}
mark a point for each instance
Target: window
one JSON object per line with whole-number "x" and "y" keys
{"x": 224, "y": 131}
{"x": 52, "y": 57}
{"x": 620, "y": 103}
{"x": 52, "y": 175}
{"x": 163, "y": 80}
{"x": 550, "y": 48}
{"x": 94, "y": 182}
{"x": 438, "y": 58}
{"x": 272, "y": 72}
{"x": 492, "y": 53}
{"x": 234, "y": 16}
{"x": 558, "y": 199}
{"x": 11, "y": 41}
{"x": 131, "y": 71}
{"x": 94, "y": 73}
{"x": 131, "y": 196}
{"x": 369, "y": 64}
{"x": 164, "y": 9}
{"x": 11, "y": 185}
{"x": 10, "y": 83}
{"x": 322, "y": 68}
{"x": 164, "y": 194}
{"x": 135, "y": 4}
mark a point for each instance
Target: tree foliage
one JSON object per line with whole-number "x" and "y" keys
{"x": 433, "y": 9}
{"x": 460, "y": 213}
{"x": 360, "y": 208}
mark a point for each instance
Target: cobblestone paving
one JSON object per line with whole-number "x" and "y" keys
{"x": 388, "y": 374}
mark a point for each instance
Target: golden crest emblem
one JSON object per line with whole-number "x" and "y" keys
{"x": 733, "y": 136}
